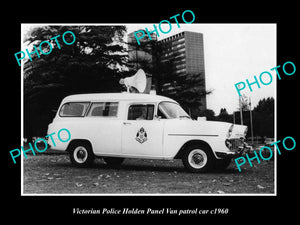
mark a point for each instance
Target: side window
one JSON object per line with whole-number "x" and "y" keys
{"x": 141, "y": 112}
{"x": 73, "y": 109}
{"x": 104, "y": 109}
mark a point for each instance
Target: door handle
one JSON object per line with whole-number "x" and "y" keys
{"x": 126, "y": 123}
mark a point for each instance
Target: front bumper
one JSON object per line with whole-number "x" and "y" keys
{"x": 236, "y": 147}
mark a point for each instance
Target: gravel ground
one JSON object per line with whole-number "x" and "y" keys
{"x": 54, "y": 174}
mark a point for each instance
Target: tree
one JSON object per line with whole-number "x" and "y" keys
{"x": 209, "y": 114}
{"x": 244, "y": 103}
{"x": 263, "y": 118}
{"x": 188, "y": 90}
{"x": 88, "y": 65}
{"x": 224, "y": 116}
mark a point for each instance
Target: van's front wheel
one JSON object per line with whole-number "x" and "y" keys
{"x": 197, "y": 159}
{"x": 81, "y": 154}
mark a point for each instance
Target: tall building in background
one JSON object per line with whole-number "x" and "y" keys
{"x": 185, "y": 50}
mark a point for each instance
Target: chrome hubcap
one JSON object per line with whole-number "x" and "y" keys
{"x": 80, "y": 154}
{"x": 197, "y": 158}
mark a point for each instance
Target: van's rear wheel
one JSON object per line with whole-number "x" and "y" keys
{"x": 81, "y": 154}
{"x": 198, "y": 159}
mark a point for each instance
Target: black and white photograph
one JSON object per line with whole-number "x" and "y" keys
{"x": 124, "y": 109}
{"x": 128, "y": 112}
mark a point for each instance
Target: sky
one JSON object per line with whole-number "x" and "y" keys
{"x": 232, "y": 54}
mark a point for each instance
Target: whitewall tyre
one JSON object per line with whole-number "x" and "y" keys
{"x": 198, "y": 159}
{"x": 81, "y": 154}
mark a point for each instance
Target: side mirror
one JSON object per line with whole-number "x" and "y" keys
{"x": 157, "y": 117}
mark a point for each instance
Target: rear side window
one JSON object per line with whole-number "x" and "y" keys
{"x": 73, "y": 109}
{"x": 104, "y": 109}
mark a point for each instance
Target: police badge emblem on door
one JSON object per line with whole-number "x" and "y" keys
{"x": 141, "y": 136}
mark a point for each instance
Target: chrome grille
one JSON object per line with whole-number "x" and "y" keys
{"x": 234, "y": 144}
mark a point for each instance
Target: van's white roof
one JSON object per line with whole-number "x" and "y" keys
{"x": 124, "y": 96}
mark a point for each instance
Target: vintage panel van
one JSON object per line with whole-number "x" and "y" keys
{"x": 115, "y": 126}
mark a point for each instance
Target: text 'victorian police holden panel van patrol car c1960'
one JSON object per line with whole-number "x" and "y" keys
{"x": 115, "y": 126}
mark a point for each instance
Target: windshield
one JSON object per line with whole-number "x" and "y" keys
{"x": 170, "y": 110}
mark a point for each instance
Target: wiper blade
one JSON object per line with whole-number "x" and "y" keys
{"x": 185, "y": 116}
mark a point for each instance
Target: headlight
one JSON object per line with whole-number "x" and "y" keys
{"x": 245, "y": 132}
{"x": 230, "y": 131}
{"x": 228, "y": 144}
